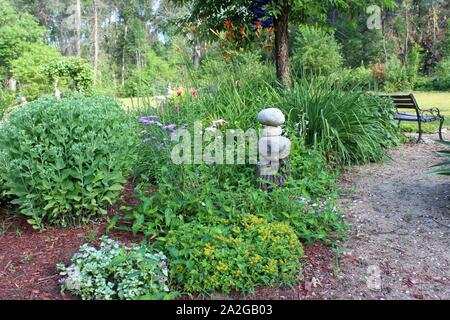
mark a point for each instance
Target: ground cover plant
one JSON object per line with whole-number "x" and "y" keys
{"x": 239, "y": 253}
{"x": 116, "y": 272}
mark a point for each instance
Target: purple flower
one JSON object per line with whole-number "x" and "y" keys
{"x": 150, "y": 123}
{"x": 170, "y": 127}
{"x": 149, "y": 118}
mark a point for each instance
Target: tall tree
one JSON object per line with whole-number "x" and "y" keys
{"x": 78, "y": 28}
{"x": 212, "y": 15}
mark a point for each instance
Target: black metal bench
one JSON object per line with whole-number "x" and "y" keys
{"x": 408, "y": 101}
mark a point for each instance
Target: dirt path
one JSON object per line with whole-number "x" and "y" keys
{"x": 400, "y": 238}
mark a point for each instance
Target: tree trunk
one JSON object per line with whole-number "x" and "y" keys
{"x": 406, "y": 49}
{"x": 282, "y": 45}
{"x": 78, "y": 28}
{"x": 12, "y": 84}
{"x": 96, "y": 44}
{"x": 123, "y": 55}
{"x": 197, "y": 55}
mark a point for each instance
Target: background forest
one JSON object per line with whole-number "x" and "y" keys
{"x": 140, "y": 47}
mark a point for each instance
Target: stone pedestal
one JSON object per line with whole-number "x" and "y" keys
{"x": 273, "y": 176}
{"x": 273, "y": 170}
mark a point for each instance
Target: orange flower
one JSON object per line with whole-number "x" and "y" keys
{"x": 180, "y": 92}
{"x": 229, "y": 25}
{"x": 194, "y": 92}
{"x": 243, "y": 32}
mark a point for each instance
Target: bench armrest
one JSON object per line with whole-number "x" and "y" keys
{"x": 433, "y": 111}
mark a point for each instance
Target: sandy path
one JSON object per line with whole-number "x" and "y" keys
{"x": 400, "y": 236}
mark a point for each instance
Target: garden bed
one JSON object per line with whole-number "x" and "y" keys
{"x": 28, "y": 262}
{"x": 406, "y": 237}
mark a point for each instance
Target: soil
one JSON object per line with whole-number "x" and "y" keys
{"x": 398, "y": 246}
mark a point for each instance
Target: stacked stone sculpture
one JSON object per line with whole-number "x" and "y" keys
{"x": 273, "y": 168}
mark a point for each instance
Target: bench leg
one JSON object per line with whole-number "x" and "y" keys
{"x": 440, "y": 130}
{"x": 420, "y": 133}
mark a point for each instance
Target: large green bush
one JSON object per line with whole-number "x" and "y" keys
{"x": 67, "y": 159}
{"x": 442, "y": 75}
{"x": 316, "y": 51}
{"x": 238, "y": 254}
{"x": 29, "y": 70}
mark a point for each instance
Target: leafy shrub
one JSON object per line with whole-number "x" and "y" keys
{"x": 67, "y": 159}
{"x": 445, "y": 153}
{"x": 7, "y": 100}
{"x": 29, "y": 68}
{"x": 76, "y": 71}
{"x": 317, "y": 51}
{"x": 397, "y": 77}
{"x": 442, "y": 75}
{"x": 358, "y": 78}
{"x": 241, "y": 255}
{"x": 115, "y": 272}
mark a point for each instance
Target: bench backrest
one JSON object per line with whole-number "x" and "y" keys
{"x": 404, "y": 101}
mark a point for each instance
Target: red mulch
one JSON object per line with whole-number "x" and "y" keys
{"x": 28, "y": 261}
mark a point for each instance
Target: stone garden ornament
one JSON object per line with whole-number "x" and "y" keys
{"x": 274, "y": 150}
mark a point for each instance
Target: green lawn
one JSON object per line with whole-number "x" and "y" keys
{"x": 427, "y": 100}
{"x": 135, "y": 103}
{"x": 439, "y": 100}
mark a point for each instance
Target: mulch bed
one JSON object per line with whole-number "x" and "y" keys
{"x": 28, "y": 260}
{"x": 28, "y": 263}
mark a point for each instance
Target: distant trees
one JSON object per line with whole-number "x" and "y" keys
{"x": 120, "y": 38}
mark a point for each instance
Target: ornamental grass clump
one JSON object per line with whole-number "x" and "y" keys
{"x": 64, "y": 161}
{"x": 445, "y": 171}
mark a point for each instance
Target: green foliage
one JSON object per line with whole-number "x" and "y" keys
{"x": 239, "y": 254}
{"x": 152, "y": 79}
{"x": 116, "y": 272}
{"x": 316, "y": 51}
{"x": 67, "y": 159}
{"x": 397, "y": 77}
{"x": 442, "y": 75}
{"x": 190, "y": 192}
{"x": 7, "y": 100}
{"x": 28, "y": 69}
{"x": 358, "y": 78}
{"x": 350, "y": 127}
{"x": 446, "y": 154}
{"x": 17, "y": 31}
{"x": 75, "y": 69}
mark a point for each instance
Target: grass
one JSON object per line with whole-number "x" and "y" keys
{"x": 132, "y": 104}
{"x": 439, "y": 100}
{"x": 426, "y": 100}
